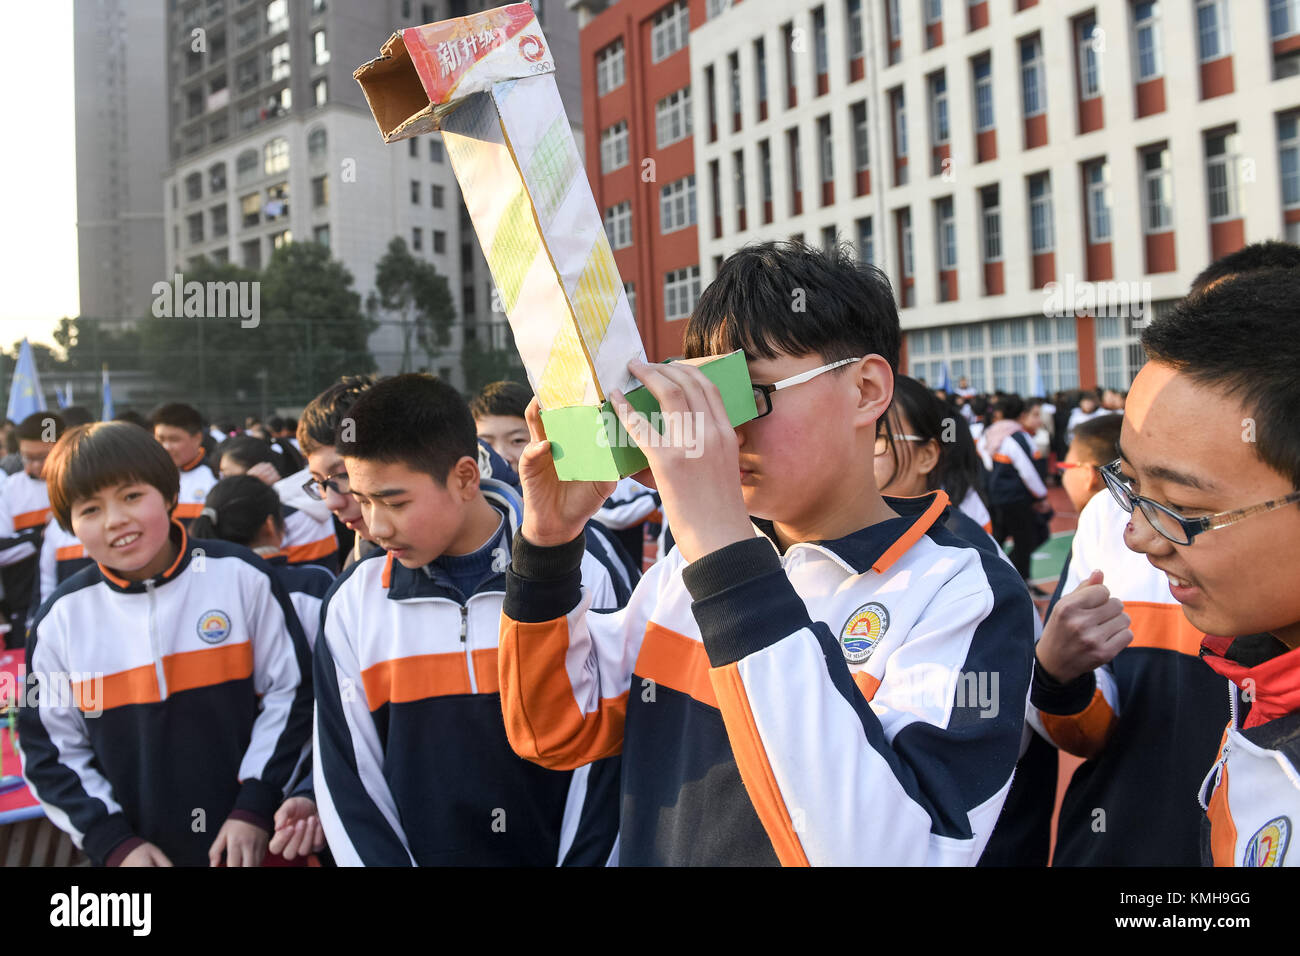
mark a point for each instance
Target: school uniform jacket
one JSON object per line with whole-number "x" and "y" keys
{"x": 24, "y": 510}
{"x": 1252, "y": 793}
{"x": 1014, "y": 477}
{"x": 309, "y": 536}
{"x": 62, "y": 556}
{"x": 819, "y": 707}
{"x": 203, "y": 712}
{"x": 1147, "y": 723}
{"x": 197, "y": 479}
{"x": 306, "y": 585}
{"x": 412, "y": 765}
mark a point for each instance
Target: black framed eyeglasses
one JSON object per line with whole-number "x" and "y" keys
{"x": 763, "y": 393}
{"x": 337, "y": 483}
{"x": 1168, "y": 523}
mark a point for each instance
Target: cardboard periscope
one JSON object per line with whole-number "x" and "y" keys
{"x": 485, "y": 81}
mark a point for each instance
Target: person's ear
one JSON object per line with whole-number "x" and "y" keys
{"x": 874, "y": 381}
{"x": 465, "y": 478}
{"x": 927, "y": 456}
{"x": 1096, "y": 482}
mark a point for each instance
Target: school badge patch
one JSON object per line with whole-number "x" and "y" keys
{"x": 862, "y": 631}
{"x": 1268, "y": 846}
{"x": 213, "y": 627}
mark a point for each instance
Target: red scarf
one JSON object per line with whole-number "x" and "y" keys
{"x": 1274, "y": 684}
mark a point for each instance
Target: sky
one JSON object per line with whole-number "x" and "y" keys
{"x": 38, "y": 181}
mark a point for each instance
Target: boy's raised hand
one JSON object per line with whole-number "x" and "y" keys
{"x": 244, "y": 844}
{"x": 695, "y": 462}
{"x": 298, "y": 830}
{"x": 146, "y": 854}
{"x": 1087, "y": 629}
{"x": 555, "y": 512}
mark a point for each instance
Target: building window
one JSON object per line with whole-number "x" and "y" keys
{"x": 1086, "y": 42}
{"x": 983, "y": 70}
{"x": 439, "y": 242}
{"x": 861, "y": 144}
{"x": 830, "y": 239}
{"x": 796, "y": 171}
{"x": 677, "y": 205}
{"x": 610, "y": 68}
{"x": 1040, "y": 214}
{"x": 277, "y": 16}
{"x": 1146, "y": 30}
{"x": 317, "y": 141}
{"x": 826, "y": 149}
{"x": 436, "y": 195}
{"x": 933, "y": 12}
{"x": 320, "y": 191}
{"x": 854, "y": 12}
{"x": 435, "y": 151}
{"x": 866, "y": 242}
{"x": 246, "y": 166}
{"x": 277, "y": 202}
{"x": 252, "y": 251}
{"x": 320, "y": 91}
{"x": 1212, "y": 39}
{"x": 991, "y": 223}
{"x": 733, "y": 72}
{"x": 819, "y": 41}
{"x": 276, "y": 156}
{"x": 250, "y": 209}
{"x": 1033, "y": 89}
{"x": 1284, "y": 18}
{"x": 220, "y": 225}
{"x": 279, "y": 57}
{"x": 908, "y": 263}
{"x": 1289, "y": 158}
{"x": 1221, "y": 164}
{"x": 681, "y": 292}
{"x": 673, "y": 117}
{"x": 217, "y": 178}
{"x": 900, "y": 125}
{"x": 765, "y": 169}
{"x": 716, "y": 8}
{"x": 618, "y": 225}
{"x": 946, "y": 232}
{"x": 613, "y": 147}
{"x": 760, "y": 70}
{"x": 738, "y": 184}
{"x": 1097, "y": 177}
{"x": 417, "y": 239}
{"x": 321, "y": 235}
{"x": 669, "y": 30}
{"x": 193, "y": 187}
{"x": 1157, "y": 190}
{"x": 416, "y": 189}
{"x": 938, "y": 108}
{"x": 630, "y": 289}
{"x": 320, "y": 52}
{"x": 195, "y": 224}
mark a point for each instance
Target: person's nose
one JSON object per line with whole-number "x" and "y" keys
{"x": 1142, "y": 538}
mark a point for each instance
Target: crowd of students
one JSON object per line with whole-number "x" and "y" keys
{"x": 387, "y": 634}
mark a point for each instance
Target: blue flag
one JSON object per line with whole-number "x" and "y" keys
{"x": 945, "y": 383}
{"x": 25, "y": 395}
{"x": 107, "y": 416}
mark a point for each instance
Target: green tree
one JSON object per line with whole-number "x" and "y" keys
{"x": 415, "y": 291}
{"x": 483, "y": 365}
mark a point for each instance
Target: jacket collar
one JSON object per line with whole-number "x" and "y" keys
{"x": 877, "y": 547}
{"x": 195, "y": 461}
{"x": 405, "y": 584}
{"x": 178, "y": 535}
{"x": 1273, "y": 681}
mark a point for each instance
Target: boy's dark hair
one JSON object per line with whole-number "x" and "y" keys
{"x": 789, "y": 298}
{"x": 1011, "y": 407}
{"x": 501, "y": 398}
{"x": 1255, "y": 257}
{"x": 75, "y": 415}
{"x": 417, "y": 419}
{"x": 1239, "y": 338}
{"x": 95, "y": 456}
{"x": 132, "y": 416}
{"x": 276, "y": 424}
{"x": 178, "y": 415}
{"x": 1098, "y": 438}
{"x": 247, "y": 450}
{"x": 34, "y": 427}
{"x": 235, "y": 508}
{"x": 320, "y": 419}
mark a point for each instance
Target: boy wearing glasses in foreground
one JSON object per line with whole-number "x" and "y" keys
{"x": 797, "y": 681}
{"x": 1210, "y": 456}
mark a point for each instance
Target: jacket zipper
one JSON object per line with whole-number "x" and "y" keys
{"x": 1217, "y": 770}
{"x": 154, "y": 642}
{"x": 464, "y": 632}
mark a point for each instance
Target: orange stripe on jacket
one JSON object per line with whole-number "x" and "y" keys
{"x": 1083, "y": 734}
{"x": 139, "y": 685}
{"x": 1003, "y": 459}
{"x": 867, "y": 684}
{"x": 208, "y": 667}
{"x": 70, "y": 552}
{"x": 31, "y": 519}
{"x": 1163, "y": 626}
{"x": 543, "y": 720}
{"x": 755, "y": 770}
{"x": 485, "y": 671}
{"x": 913, "y": 534}
{"x": 405, "y": 679}
{"x": 312, "y": 550}
{"x": 188, "y": 510}
{"x": 675, "y": 661}
{"x": 1223, "y": 831}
